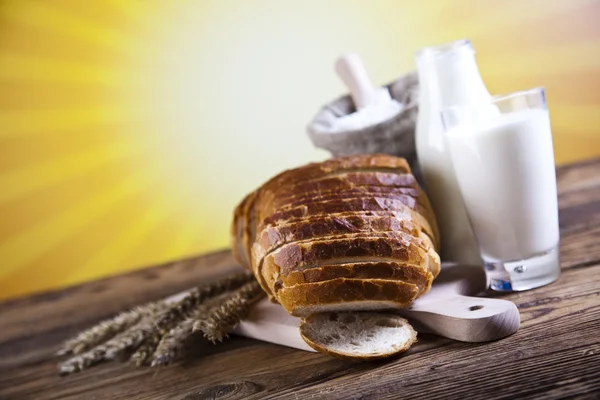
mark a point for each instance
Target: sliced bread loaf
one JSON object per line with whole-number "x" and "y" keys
{"x": 361, "y": 210}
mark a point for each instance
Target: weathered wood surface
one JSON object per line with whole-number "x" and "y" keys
{"x": 555, "y": 354}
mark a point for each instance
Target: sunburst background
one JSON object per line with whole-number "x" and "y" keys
{"x": 130, "y": 129}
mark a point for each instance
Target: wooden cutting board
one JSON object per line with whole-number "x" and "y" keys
{"x": 448, "y": 310}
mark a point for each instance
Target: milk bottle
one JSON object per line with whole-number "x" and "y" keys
{"x": 448, "y": 76}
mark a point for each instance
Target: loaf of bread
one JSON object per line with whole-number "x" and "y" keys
{"x": 350, "y": 233}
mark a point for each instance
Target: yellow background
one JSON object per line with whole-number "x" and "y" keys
{"x": 130, "y": 129}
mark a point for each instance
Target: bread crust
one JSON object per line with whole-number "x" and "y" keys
{"x": 317, "y": 227}
{"x": 408, "y": 200}
{"x": 272, "y": 235}
{"x": 396, "y": 245}
{"x": 435, "y": 263}
{"x": 301, "y": 300}
{"x": 288, "y": 199}
{"x": 374, "y": 162}
{"x": 357, "y": 248}
{"x": 366, "y": 191}
{"x": 342, "y": 184}
{"x": 300, "y": 179}
{"x": 343, "y": 181}
{"x": 381, "y": 203}
{"x": 387, "y": 270}
{"x": 239, "y": 229}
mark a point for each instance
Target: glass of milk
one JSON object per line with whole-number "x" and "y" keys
{"x": 503, "y": 159}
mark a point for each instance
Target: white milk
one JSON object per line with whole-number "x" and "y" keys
{"x": 505, "y": 169}
{"x": 448, "y": 76}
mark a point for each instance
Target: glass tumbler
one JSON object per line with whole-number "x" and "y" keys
{"x": 503, "y": 158}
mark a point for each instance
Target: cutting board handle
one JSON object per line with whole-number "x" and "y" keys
{"x": 464, "y": 318}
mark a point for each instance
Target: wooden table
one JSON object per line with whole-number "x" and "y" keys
{"x": 556, "y": 353}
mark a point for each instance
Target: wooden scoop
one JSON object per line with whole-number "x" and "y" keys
{"x": 447, "y": 310}
{"x": 352, "y": 72}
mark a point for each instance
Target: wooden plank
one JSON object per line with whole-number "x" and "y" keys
{"x": 569, "y": 309}
{"x": 555, "y": 353}
{"x": 579, "y": 196}
{"x": 81, "y": 305}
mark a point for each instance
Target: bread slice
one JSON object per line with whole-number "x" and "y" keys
{"x": 435, "y": 263}
{"x": 317, "y": 203}
{"x": 413, "y": 197}
{"x": 366, "y": 191}
{"x": 376, "y": 169}
{"x": 343, "y": 294}
{"x": 321, "y": 208}
{"x": 405, "y": 215}
{"x": 335, "y": 166}
{"x": 243, "y": 233}
{"x": 358, "y": 162}
{"x": 306, "y": 254}
{"x": 349, "y": 249}
{"x": 331, "y": 188}
{"x": 358, "y": 335}
{"x": 314, "y": 185}
{"x": 272, "y": 188}
{"x": 346, "y": 205}
{"x": 321, "y": 226}
{"x": 350, "y": 181}
{"x": 388, "y": 270}
{"x": 370, "y": 177}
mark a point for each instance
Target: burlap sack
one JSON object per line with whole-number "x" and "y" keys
{"x": 395, "y": 136}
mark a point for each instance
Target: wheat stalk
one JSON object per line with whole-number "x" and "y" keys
{"x": 108, "y": 328}
{"x": 143, "y": 354}
{"x": 171, "y": 345}
{"x": 142, "y": 329}
{"x": 169, "y": 318}
{"x": 223, "y": 318}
